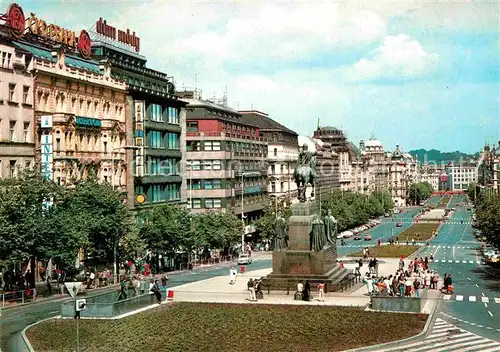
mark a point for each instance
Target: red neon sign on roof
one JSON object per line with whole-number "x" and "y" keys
{"x": 124, "y": 37}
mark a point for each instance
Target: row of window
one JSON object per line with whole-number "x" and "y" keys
{"x": 208, "y": 203}
{"x": 15, "y": 132}
{"x": 197, "y": 165}
{"x": 158, "y": 113}
{"x": 6, "y": 60}
{"x": 162, "y": 166}
{"x": 14, "y": 167}
{"x": 13, "y": 94}
{"x": 204, "y": 184}
{"x": 228, "y": 146}
{"x": 163, "y": 140}
{"x": 160, "y": 192}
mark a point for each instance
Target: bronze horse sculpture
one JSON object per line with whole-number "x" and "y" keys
{"x": 305, "y": 174}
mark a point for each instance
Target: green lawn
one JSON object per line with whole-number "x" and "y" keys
{"x": 419, "y": 232}
{"x": 443, "y": 202}
{"x": 388, "y": 251}
{"x": 186, "y": 327}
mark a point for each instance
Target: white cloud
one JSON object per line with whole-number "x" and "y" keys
{"x": 399, "y": 57}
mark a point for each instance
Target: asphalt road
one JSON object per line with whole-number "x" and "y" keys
{"x": 476, "y": 285}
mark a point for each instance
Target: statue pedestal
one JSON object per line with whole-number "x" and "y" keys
{"x": 297, "y": 263}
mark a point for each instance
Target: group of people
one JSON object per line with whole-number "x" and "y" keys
{"x": 407, "y": 281}
{"x": 254, "y": 287}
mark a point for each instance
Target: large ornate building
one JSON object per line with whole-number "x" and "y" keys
{"x": 282, "y": 154}
{"x": 155, "y": 121}
{"x": 17, "y": 144}
{"x": 79, "y": 109}
{"x": 225, "y": 159}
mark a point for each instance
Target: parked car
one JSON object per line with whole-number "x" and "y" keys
{"x": 368, "y": 237}
{"x": 244, "y": 259}
{"x": 357, "y": 237}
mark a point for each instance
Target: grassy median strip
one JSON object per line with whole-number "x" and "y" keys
{"x": 388, "y": 251}
{"x": 230, "y": 327}
{"x": 443, "y": 202}
{"x": 418, "y": 232}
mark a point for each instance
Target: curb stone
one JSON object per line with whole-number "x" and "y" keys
{"x": 25, "y": 338}
{"x": 422, "y": 334}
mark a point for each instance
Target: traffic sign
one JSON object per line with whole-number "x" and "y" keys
{"x": 73, "y": 288}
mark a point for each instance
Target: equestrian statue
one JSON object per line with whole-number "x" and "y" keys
{"x": 305, "y": 172}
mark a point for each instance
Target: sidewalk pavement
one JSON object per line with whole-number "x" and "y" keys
{"x": 219, "y": 290}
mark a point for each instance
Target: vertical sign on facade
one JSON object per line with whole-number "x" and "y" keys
{"x": 139, "y": 111}
{"x": 46, "y": 156}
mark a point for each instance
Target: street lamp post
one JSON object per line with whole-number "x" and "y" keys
{"x": 115, "y": 244}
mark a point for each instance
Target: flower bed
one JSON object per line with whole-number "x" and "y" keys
{"x": 418, "y": 232}
{"x": 230, "y": 327}
{"x": 388, "y": 251}
{"x": 443, "y": 202}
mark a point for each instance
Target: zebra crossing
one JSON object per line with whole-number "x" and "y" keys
{"x": 462, "y": 298}
{"x": 451, "y": 247}
{"x": 448, "y": 337}
{"x": 454, "y": 261}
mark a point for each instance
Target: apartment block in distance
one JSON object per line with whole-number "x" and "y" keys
{"x": 225, "y": 159}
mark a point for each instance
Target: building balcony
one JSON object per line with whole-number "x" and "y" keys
{"x": 251, "y": 190}
{"x": 162, "y": 126}
{"x": 209, "y": 193}
{"x": 215, "y": 135}
{"x": 172, "y": 153}
{"x": 250, "y": 173}
{"x": 148, "y": 179}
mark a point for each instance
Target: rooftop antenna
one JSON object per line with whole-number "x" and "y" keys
{"x": 225, "y": 97}
{"x": 318, "y": 124}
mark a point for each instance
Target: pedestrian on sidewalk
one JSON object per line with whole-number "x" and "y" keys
{"x": 232, "y": 276}
{"x": 251, "y": 289}
{"x": 321, "y": 292}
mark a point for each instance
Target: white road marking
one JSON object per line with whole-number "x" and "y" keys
{"x": 486, "y": 305}
{"x": 468, "y": 278}
{"x": 472, "y": 298}
{"x": 464, "y": 261}
{"x": 459, "y": 298}
{"x": 447, "y": 297}
{"x": 471, "y": 262}
{"x": 443, "y": 261}
{"x": 485, "y": 299}
{"x": 457, "y": 261}
{"x": 490, "y": 313}
{"x": 482, "y": 294}
{"x": 450, "y": 261}
{"x": 497, "y": 300}
{"x": 477, "y": 285}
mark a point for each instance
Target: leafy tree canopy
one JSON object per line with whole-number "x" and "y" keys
{"x": 488, "y": 217}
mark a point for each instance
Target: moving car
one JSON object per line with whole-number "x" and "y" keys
{"x": 399, "y": 224}
{"x": 244, "y": 259}
{"x": 368, "y": 237}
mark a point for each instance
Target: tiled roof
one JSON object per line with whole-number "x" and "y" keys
{"x": 46, "y": 54}
{"x": 265, "y": 123}
{"x": 208, "y": 104}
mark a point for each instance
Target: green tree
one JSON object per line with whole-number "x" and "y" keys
{"x": 420, "y": 191}
{"x": 472, "y": 191}
{"x": 488, "y": 217}
{"x": 265, "y": 225}
{"x": 166, "y": 228}
{"x": 95, "y": 216}
{"x": 27, "y": 228}
{"x": 215, "y": 230}
{"x": 385, "y": 199}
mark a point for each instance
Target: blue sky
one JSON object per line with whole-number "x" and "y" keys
{"x": 419, "y": 74}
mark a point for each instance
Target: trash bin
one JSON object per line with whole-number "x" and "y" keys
{"x": 170, "y": 294}
{"x": 242, "y": 269}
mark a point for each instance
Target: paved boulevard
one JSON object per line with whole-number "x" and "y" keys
{"x": 475, "y": 304}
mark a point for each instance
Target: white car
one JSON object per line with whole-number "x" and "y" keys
{"x": 244, "y": 259}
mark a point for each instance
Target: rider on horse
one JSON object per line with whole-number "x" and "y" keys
{"x": 305, "y": 172}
